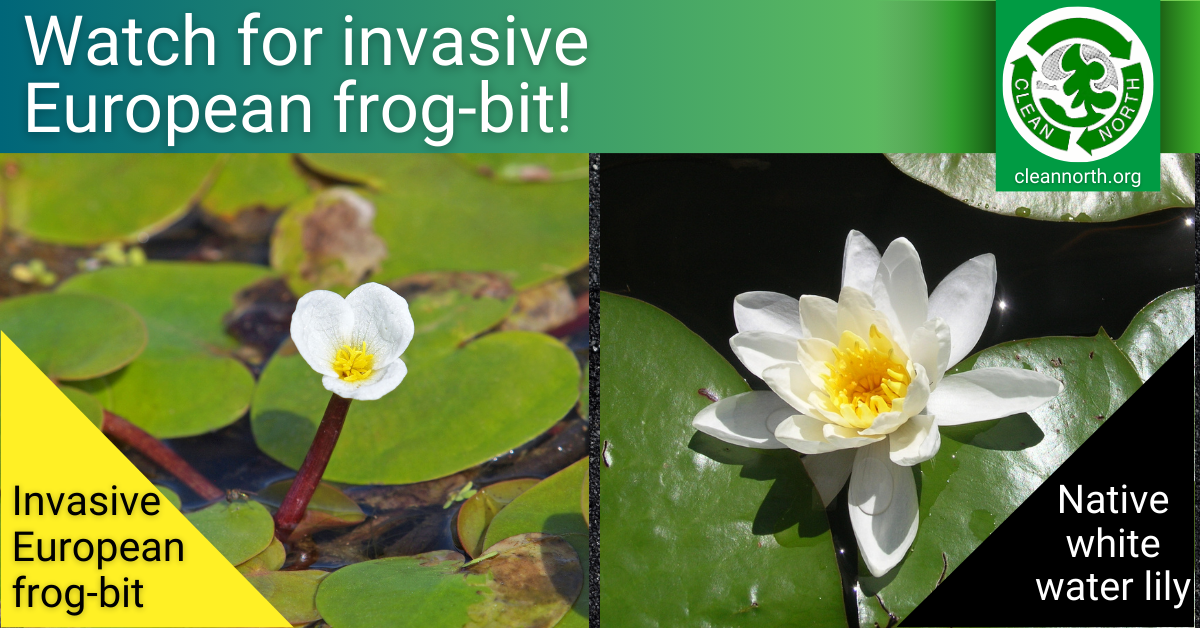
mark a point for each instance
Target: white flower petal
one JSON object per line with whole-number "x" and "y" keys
{"x": 929, "y": 346}
{"x": 767, "y": 311}
{"x": 381, "y": 382}
{"x": 760, "y": 350}
{"x": 990, "y": 393}
{"x": 829, "y": 472}
{"x": 860, "y": 259}
{"x": 815, "y": 354}
{"x": 846, "y": 438}
{"x": 320, "y": 325}
{"x": 964, "y": 301}
{"x": 747, "y": 420}
{"x": 791, "y": 382}
{"x": 883, "y": 508}
{"x": 382, "y": 320}
{"x": 856, "y": 313}
{"x": 916, "y": 441}
{"x": 818, "y": 317}
{"x": 899, "y": 290}
{"x": 803, "y": 433}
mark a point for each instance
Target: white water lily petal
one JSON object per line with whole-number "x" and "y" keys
{"x": 990, "y": 393}
{"x": 760, "y": 350}
{"x": 856, "y": 313}
{"x": 747, "y": 420}
{"x": 904, "y": 409}
{"x": 320, "y": 325}
{"x": 829, "y": 472}
{"x": 818, "y": 317}
{"x": 847, "y": 438}
{"x": 860, "y": 260}
{"x": 899, "y": 289}
{"x": 381, "y": 382}
{"x": 791, "y": 382}
{"x": 916, "y": 441}
{"x": 930, "y": 347}
{"x": 815, "y": 354}
{"x": 803, "y": 434}
{"x": 382, "y": 320}
{"x": 883, "y": 508}
{"x": 964, "y": 301}
{"x": 767, "y": 311}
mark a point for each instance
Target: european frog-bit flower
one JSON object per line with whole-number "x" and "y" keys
{"x": 860, "y": 384}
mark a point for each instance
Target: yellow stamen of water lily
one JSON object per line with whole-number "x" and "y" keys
{"x": 865, "y": 379}
{"x": 353, "y": 364}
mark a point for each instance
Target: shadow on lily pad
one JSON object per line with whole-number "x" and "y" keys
{"x": 1011, "y": 433}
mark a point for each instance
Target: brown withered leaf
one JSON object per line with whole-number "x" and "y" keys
{"x": 542, "y": 307}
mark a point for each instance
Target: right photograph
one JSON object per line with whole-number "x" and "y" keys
{"x": 827, "y": 380}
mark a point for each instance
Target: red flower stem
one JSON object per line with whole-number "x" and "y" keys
{"x": 137, "y": 438}
{"x": 291, "y": 511}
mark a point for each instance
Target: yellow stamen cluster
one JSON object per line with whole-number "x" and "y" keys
{"x": 865, "y": 379}
{"x": 353, "y": 364}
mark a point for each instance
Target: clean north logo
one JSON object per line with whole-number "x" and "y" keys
{"x": 1078, "y": 84}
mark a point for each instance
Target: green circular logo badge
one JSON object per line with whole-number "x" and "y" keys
{"x": 1078, "y": 84}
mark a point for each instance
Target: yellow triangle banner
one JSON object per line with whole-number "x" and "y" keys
{"x": 105, "y": 570}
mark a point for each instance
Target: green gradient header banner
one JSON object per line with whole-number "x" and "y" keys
{"x": 906, "y": 76}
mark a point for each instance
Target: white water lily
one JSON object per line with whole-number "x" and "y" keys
{"x": 356, "y": 342}
{"x": 860, "y": 384}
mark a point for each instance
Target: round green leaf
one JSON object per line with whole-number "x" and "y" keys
{"x": 453, "y": 411}
{"x": 86, "y": 403}
{"x": 84, "y": 199}
{"x": 984, "y": 471}
{"x": 478, "y": 511}
{"x": 528, "y": 580}
{"x": 528, "y": 167}
{"x": 185, "y": 382}
{"x": 971, "y": 178}
{"x": 73, "y": 336}
{"x": 328, "y": 508}
{"x": 434, "y": 214}
{"x": 239, "y": 529}
{"x": 1159, "y": 329}
{"x": 270, "y": 559}
{"x": 292, "y": 593}
{"x": 737, "y": 536}
{"x": 551, "y": 507}
{"x": 247, "y": 180}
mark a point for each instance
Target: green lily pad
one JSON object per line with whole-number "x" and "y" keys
{"x": 984, "y": 471}
{"x": 84, "y": 199}
{"x": 453, "y": 411}
{"x": 270, "y": 559}
{"x": 185, "y": 382}
{"x": 328, "y": 508}
{"x": 478, "y": 511}
{"x": 239, "y": 529}
{"x": 528, "y": 580}
{"x": 86, "y": 403}
{"x": 551, "y": 507}
{"x": 435, "y": 214}
{"x": 971, "y": 178}
{"x": 169, "y": 495}
{"x": 73, "y": 336}
{"x": 528, "y": 167}
{"x": 292, "y": 593}
{"x": 247, "y": 180}
{"x": 737, "y": 536}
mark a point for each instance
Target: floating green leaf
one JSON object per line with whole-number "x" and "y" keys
{"x": 270, "y": 559}
{"x": 86, "y": 403}
{"x": 247, "y": 180}
{"x": 738, "y": 536}
{"x": 239, "y": 529}
{"x": 185, "y": 382}
{"x": 292, "y": 593}
{"x": 73, "y": 336}
{"x": 984, "y": 471}
{"x": 551, "y": 507}
{"x": 169, "y": 495}
{"x": 328, "y": 508}
{"x": 453, "y": 411}
{"x": 528, "y": 580}
{"x": 528, "y": 167}
{"x": 435, "y": 214}
{"x": 478, "y": 511}
{"x": 971, "y": 178}
{"x": 84, "y": 199}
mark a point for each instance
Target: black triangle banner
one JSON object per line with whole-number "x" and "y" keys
{"x": 1107, "y": 540}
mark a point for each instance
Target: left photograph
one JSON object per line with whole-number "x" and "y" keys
{"x": 362, "y": 377}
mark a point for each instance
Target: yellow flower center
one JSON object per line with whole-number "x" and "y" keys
{"x": 353, "y": 364}
{"x": 865, "y": 378}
